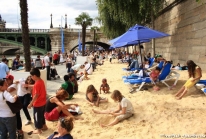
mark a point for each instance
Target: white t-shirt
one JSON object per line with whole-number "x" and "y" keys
{"x": 5, "y": 111}
{"x": 76, "y": 67}
{"x": 21, "y": 89}
{"x": 88, "y": 68}
{"x": 126, "y": 103}
{"x": 91, "y": 59}
{"x": 15, "y": 87}
{"x": 46, "y": 61}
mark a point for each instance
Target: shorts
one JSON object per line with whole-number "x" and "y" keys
{"x": 53, "y": 115}
{"x": 124, "y": 116}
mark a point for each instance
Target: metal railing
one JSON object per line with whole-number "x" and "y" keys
{"x": 43, "y": 30}
{"x": 20, "y": 30}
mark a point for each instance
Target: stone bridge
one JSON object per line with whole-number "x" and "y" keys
{"x": 43, "y": 40}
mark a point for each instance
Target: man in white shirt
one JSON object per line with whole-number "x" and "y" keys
{"x": 74, "y": 69}
{"x": 47, "y": 64}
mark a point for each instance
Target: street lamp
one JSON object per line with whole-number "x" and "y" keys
{"x": 65, "y": 20}
{"x": 51, "y": 26}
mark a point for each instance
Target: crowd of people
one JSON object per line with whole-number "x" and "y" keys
{"x": 31, "y": 92}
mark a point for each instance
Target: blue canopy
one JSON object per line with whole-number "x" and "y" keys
{"x": 138, "y": 33}
{"x": 117, "y": 45}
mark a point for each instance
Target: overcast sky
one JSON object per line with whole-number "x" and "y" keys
{"x": 40, "y": 10}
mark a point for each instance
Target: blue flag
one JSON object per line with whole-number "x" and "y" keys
{"x": 79, "y": 43}
{"x": 62, "y": 40}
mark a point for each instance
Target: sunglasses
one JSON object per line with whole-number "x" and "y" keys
{"x": 62, "y": 121}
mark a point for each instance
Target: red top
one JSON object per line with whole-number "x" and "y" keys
{"x": 153, "y": 74}
{"x": 39, "y": 88}
{"x": 55, "y": 56}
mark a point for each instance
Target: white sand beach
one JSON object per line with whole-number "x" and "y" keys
{"x": 157, "y": 113}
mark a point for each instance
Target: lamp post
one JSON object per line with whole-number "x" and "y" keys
{"x": 51, "y": 26}
{"x": 65, "y": 20}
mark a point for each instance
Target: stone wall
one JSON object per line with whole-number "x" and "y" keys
{"x": 186, "y": 23}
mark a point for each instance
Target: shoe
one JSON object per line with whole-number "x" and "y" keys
{"x": 28, "y": 122}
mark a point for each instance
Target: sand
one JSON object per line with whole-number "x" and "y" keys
{"x": 157, "y": 113}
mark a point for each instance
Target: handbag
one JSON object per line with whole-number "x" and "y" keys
{"x": 16, "y": 106}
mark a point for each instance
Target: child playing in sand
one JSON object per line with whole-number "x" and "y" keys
{"x": 154, "y": 75}
{"x": 125, "y": 109}
{"x": 104, "y": 87}
{"x": 93, "y": 97}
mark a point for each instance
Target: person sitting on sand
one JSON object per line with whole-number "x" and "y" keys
{"x": 104, "y": 86}
{"x": 195, "y": 73}
{"x": 68, "y": 86}
{"x": 154, "y": 75}
{"x": 93, "y": 97}
{"x": 64, "y": 127}
{"x": 55, "y": 108}
{"x": 125, "y": 109}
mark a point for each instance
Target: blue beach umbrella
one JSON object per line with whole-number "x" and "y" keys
{"x": 138, "y": 33}
{"x": 124, "y": 44}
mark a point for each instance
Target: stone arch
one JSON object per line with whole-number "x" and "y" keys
{"x": 102, "y": 44}
{"x": 10, "y": 51}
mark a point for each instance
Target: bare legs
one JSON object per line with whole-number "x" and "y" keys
{"x": 106, "y": 112}
{"x": 105, "y": 89}
{"x": 181, "y": 93}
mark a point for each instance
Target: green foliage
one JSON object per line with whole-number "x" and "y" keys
{"x": 83, "y": 17}
{"x": 117, "y": 16}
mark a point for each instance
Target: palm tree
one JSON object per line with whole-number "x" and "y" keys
{"x": 96, "y": 37}
{"x": 84, "y": 20}
{"x": 25, "y": 34}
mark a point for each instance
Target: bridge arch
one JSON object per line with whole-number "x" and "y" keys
{"x": 102, "y": 44}
{"x": 10, "y": 51}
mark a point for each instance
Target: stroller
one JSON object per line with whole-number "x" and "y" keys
{"x": 53, "y": 73}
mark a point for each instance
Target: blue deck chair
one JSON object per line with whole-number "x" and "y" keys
{"x": 135, "y": 65}
{"x": 160, "y": 65}
{"x": 164, "y": 76}
{"x": 202, "y": 85}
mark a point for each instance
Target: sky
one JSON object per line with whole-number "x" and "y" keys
{"x": 39, "y": 12}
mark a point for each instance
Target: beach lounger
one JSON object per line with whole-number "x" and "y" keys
{"x": 133, "y": 76}
{"x": 151, "y": 61}
{"x": 164, "y": 76}
{"x": 202, "y": 85}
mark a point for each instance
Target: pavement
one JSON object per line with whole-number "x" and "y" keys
{"x": 51, "y": 86}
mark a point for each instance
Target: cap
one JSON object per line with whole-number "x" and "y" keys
{"x": 10, "y": 77}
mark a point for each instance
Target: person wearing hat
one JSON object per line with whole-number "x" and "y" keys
{"x": 12, "y": 89}
{"x": 4, "y": 69}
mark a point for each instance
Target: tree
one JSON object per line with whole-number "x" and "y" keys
{"x": 96, "y": 37}
{"x": 117, "y": 16}
{"x": 84, "y": 20}
{"x": 25, "y": 34}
